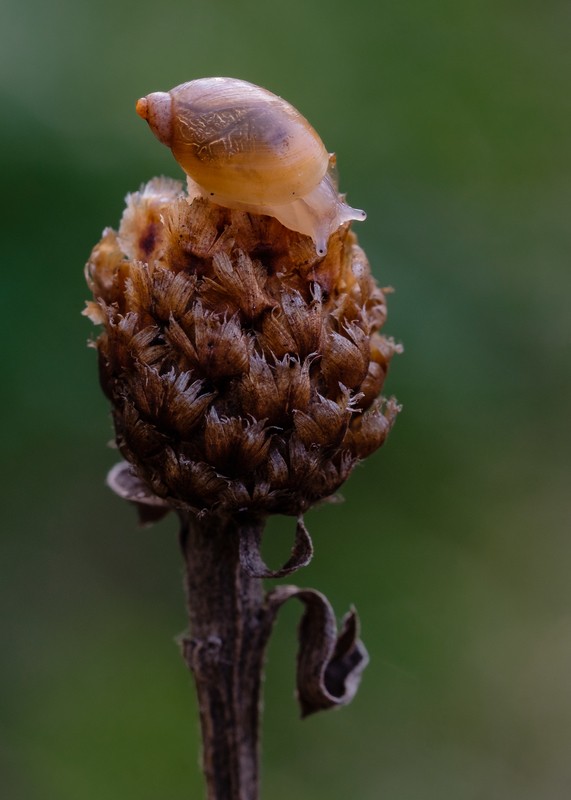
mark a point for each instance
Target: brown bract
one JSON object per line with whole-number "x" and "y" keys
{"x": 242, "y": 369}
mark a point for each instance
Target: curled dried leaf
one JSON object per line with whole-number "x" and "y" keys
{"x": 251, "y": 557}
{"x": 122, "y": 480}
{"x": 329, "y": 664}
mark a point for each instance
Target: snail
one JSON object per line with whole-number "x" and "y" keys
{"x": 243, "y": 147}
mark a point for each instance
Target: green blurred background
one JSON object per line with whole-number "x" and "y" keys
{"x": 452, "y": 123}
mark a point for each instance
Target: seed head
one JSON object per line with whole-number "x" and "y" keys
{"x": 243, "y": 370}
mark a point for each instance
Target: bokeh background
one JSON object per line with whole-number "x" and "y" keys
{"x": 452, "y": 123}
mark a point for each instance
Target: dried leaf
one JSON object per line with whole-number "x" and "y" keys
{"x": 329, "y": 665}
{"x": 122, "y": 480}
{"x": 251, "y": 557}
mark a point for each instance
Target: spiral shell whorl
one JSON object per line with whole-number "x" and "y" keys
{"x": 237, "y": 140}
{"x": 156, "y": 108}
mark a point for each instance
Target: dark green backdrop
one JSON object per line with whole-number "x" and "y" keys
{"x": 452, "y": 124}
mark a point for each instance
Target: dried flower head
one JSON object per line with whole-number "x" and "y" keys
{"x": 242, "y": 368}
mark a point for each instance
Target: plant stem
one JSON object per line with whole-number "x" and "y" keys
{"x": 225, "y": 651}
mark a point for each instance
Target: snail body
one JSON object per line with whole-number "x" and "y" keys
{"x": 243, "y": 147}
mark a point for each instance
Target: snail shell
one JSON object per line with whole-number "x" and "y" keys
{"x": 244, "y": 147}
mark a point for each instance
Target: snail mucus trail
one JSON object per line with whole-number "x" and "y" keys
{"x": 246, "y": 148}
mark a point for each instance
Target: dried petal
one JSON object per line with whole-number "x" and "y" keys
{"x": 257, "y": 391}
{"x": 232, "y": 443}
{"x": 324, "y": 424}
{"x": 305, "y": 466}
{"x": 382, "y": 350}
{"x": 196, "y": 481}
{"x": 237, "y": 285}
{"x": 304, "y": 320}
{"x": 104, "y": 265}
{"x": 185, "y": 403}
{"x": 190, "y": 231}
{"x": 277, "y": 469}
{"x": 293, "y": 383}
{"x": 172, "y": 293}
{"x": 368, "y": 431}
{"x": 275, "y": 336}
{"x": 343, "y": 362}
{"x": 220, "y": 344}
{"x": 181, "y": 346}
{"x": 141, "y": 233}
{"x": 94, "y": 312}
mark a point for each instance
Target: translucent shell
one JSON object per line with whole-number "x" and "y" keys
{"x": 244, "y": 147}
